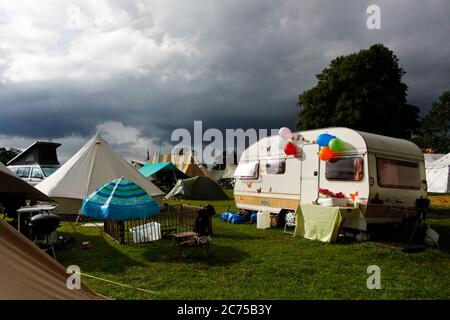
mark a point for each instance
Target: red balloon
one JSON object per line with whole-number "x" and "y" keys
{"x": 326, "y": 154}
{"x": 290, "y": 149}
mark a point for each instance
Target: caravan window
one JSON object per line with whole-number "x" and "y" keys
{"x": 247, "y": 171}
{"x": 398, "y": 174}
{"x": 344, "y": 169}
{"x": 276, "y": 166}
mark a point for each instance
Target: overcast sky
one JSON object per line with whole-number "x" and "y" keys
{"x": 135, "y": 70}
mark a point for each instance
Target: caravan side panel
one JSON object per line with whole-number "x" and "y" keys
{"x": 271, "y": 191}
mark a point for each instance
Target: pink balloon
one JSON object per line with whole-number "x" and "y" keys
{"x": 285, "y": 133}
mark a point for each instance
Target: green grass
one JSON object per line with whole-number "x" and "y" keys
{"x": 248, "y": 263}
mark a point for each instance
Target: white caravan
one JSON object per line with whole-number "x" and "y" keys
{"x": 388, "y": 174}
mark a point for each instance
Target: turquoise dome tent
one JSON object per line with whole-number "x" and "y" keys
{"x": 119, "y": 200}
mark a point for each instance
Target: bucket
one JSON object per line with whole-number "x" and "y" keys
{"x": 263, "y": 220}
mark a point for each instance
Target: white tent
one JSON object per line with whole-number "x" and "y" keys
{"x": 227, "y": 172}
{"x": 431, "y": 157}
{"x": 91, "y": 167}
{"x": 438, "y": 175}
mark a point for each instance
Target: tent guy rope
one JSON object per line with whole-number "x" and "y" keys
{"x": 119, "y": 284}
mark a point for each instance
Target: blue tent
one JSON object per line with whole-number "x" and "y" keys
{"x": 120, "y": 199}
{"x": 151, "y": 169}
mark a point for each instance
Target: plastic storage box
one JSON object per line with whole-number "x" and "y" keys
{"x": 146, "y": 232}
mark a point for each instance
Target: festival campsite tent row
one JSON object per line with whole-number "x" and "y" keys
{"x": 186, "y": 163}
{"x": 91, "y": 167}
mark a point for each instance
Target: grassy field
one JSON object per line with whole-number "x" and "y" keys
{"x": 248, "y": 263}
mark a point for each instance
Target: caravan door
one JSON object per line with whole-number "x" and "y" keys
{"x": 309, "y": 182}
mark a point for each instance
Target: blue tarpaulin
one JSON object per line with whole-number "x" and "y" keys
{"x": 233, "y": 217}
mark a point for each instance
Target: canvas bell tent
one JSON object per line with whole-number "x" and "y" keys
{"x": 438, "y": 175}
{"x": 28, "y": 273}
{"x": 197, "y": 188}
{"x": 91, "y": 167}
{"x": 14, "y": 191}
{"x": 136, "y": 164}
{"x": 189, "y": 165}
{"x": 196, "y": 170}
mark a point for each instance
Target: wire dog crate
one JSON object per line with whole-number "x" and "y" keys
{"x": 171, "y": 219}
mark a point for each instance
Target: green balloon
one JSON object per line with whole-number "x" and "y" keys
{"x": 336, "y": 144}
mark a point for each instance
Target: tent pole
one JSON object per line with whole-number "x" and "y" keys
{"x": 174, "y": 175}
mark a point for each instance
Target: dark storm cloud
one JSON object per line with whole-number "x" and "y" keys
{"x": 251, "y": 59}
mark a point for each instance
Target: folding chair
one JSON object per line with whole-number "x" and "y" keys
{"x": 290, "y": 222}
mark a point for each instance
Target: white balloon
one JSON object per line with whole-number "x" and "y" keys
{"x": 285, "y": 133}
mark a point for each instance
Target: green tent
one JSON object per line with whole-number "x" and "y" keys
{"x": 197, "y": 188}
{"x": 163, "y": 174}
{"x": 151, "y": 169}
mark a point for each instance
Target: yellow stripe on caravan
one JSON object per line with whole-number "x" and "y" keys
{"x": 267, "y": 202}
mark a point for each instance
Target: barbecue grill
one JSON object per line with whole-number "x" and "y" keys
{"x": 43, "y": 225}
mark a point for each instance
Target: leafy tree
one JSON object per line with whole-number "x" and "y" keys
{"x": 6, "y": 155}
{"x": 434, "y": 132}
{"x": 363, "y": 91}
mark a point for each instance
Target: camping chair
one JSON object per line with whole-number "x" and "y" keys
{"x": 290, "y": 222}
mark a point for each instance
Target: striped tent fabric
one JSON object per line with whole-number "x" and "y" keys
{"x": 120, "y": 199}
